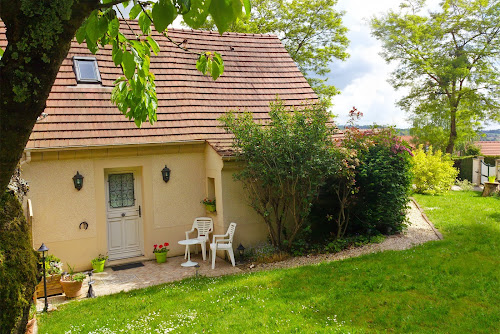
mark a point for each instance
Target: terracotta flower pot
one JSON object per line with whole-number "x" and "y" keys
{"x": 30, "y": 327}
{"x": 72, "y": 289}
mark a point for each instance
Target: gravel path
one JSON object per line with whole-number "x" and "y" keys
{"x": 418, "y": 232}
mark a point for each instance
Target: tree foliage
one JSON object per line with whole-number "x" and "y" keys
{"x": 311, "y": 31}
{"x": 39, "y": 34}
{"x": 286, "y": 161}
{"x": 449, "y": 61}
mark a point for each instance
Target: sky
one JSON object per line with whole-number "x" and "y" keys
{"x": 362, "y": 78}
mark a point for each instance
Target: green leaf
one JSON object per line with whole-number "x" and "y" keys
{"x": 117, "y": 55}
{"x": 81, "y": 33}
{"x": 128, "y": 64}
{"x": 214, "y": 70}
{"x": 153, "y": 44}
{"x": 145, "y": 23}
{"x": 91, "y": 28}
{"x": 183, "y": 6}
{"x": 202, "y": 63}
{"x": 248, "y": 7}
{"x": 102, "y": 26}
{"x": 224, "y": 12}
{"x": 92, "y": 46}
{"x": 1, "y": 52}
{"x": 135, "y": 11}
{"x": 198, "y": 13}
{"x": 114, "y": 27}
{"x": 164, "y": 13}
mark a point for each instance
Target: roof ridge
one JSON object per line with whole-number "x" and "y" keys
{"x": 207, "y": 32}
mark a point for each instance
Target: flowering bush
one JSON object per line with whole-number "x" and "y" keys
{"x": 207, "y": 201}
{"x": 161, "y": 248}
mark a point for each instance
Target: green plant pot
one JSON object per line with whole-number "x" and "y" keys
{"x": 161, "y": 257}
{"x": 210, "y": 207}
{"x": 98, "y": 266}
{"x": 491, "y": 179}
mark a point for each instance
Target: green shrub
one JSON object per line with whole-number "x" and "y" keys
{"x": 18, "y": 266}
{"x": 381, "y": 188}
{"x": 433, "y": 172}
{"x": 384, "y": 182}
{"x": 286, "y": 160}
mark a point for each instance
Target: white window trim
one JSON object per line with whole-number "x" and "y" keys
{"x": 76, "y": 69}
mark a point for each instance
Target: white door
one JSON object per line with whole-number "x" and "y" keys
{"x": 123, "y": 215}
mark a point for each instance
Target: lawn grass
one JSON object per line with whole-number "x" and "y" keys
{"x": 448, "y": 286}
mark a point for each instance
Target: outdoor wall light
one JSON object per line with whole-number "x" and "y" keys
{"x": 42, "y": 250}
{"x": 78, "y": 181}
{"x": 165, "y": 172}
{"x": 241, "y": 251}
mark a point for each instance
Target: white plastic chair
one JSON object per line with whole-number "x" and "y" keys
{"x": 204, "y": 226}
{"x": 223, "y": 244}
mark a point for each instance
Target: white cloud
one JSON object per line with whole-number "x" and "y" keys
{"x": 362, "y": 79}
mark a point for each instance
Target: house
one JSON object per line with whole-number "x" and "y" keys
{"x": 124, "y": 205}
{"x": 490, "y": 148}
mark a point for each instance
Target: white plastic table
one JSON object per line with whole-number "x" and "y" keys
{"x": 187, "y": 243}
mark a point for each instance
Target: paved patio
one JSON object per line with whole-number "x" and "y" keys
{"x": 109, "y": 281}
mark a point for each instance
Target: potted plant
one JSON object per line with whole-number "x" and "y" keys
{"x": 72, "y": 283}
{"x": 161, "y": 252}
{"x": 30, "y": 327}
{"x": 209, "y": 204}
{"x": 98, "y": 263}
{"x": 53, "y": 269}
{"x": 491, "y": 179}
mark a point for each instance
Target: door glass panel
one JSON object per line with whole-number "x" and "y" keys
{"x": 121, "y": 190}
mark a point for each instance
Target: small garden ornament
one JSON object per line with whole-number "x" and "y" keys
{"x": 161, "y": 252}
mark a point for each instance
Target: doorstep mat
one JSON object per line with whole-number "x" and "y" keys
{"x": 127, "y": 266}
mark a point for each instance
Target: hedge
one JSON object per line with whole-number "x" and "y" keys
{"x": 464, "y": 165}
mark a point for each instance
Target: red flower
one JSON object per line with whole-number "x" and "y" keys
{"x": 166, "y": 244}
{"x": 161, "y": 246}
{"x": 155, "y": 246}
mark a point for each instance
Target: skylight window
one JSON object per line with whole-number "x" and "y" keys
{"x": 86, "y": 70}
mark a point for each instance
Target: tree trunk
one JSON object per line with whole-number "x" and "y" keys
{"x": 453, "y": 131}
{"x": 39, "y": 35}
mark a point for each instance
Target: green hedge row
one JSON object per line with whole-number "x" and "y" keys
{"x": 464, "y": 165}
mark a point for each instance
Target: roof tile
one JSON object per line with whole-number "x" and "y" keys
{"x": 257, "y": 68}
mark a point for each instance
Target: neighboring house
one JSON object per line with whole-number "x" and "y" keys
{"x": 124, "y": 201}
{"x": 489, "y": 147}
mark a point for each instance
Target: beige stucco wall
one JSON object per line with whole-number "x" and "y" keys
{"x": 250, "y": 228}
{"x": 168, "y": 209}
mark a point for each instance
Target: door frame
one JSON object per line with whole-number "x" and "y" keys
{"x": 138, "y": 189}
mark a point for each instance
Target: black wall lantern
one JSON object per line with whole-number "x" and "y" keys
{"x": 78, "y": 180}
{"x": 165, "y": 172}
{"x": 241, "y": 252}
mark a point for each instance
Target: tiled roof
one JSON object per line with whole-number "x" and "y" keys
{"x": 489, "y": 147}
{"x": 257, "y": 68}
